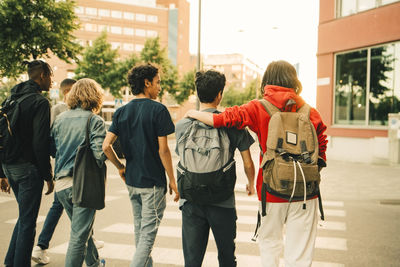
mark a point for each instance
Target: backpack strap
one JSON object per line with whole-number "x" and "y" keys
{"x": 305, "y": 109}
{"x": 271, "y": 109}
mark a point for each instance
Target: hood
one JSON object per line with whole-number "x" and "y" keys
{"x": 25, "y": 87}
{"x": 279, "y": 97}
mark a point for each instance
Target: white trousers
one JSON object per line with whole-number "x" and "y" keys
{"x": 301, "y": 231}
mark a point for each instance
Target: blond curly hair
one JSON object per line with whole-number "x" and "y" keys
{"x": 86, "y": 94}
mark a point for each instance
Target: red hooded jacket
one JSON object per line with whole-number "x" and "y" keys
{"x": 254, "y": 115}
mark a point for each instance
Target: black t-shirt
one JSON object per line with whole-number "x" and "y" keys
{"x": 138, "y": 125}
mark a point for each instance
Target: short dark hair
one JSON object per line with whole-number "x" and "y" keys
{"x": 37, "y": 67}
{"x": 66, "y": 85}
{"x": 138, "y": 74}
{"x": 281, "y": 73}
{"x": 209, "y": 84}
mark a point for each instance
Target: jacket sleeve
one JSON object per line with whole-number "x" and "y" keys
{"x": 41, "y": 138}
{"x": 97, "y": 135}
{"x": 320, "y": 128}
{"x": 239, "y": 117}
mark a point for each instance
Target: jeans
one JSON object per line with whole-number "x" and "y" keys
{"x": 82, "y": 220}
{"x": 27, "y": 186}
{"x": 196, "y": 223}
{"x": 148, "y": 205}
{"x": 52, "y": 218}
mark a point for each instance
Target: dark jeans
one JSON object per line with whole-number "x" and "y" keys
{"x": 52, "y": 218}
{"x": 196, "y": 223}
{"x": 27, "y": 187}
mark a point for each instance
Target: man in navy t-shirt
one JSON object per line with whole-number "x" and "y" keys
{"x": 142, "y": 126}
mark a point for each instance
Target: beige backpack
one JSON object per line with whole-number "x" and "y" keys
{"x": 290, "y": 163}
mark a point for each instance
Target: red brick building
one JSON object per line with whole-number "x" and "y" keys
{"x": 358, "y": 75}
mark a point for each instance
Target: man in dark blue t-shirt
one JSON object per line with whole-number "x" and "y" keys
{"x": 142, "y": 126}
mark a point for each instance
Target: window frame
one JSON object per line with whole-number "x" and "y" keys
{"x": 367, "y": 89}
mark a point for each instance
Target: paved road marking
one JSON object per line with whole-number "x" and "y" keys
{"x": 6, "y": 199}
{"x": 39, "y": 220}
{"x": 335, "y": 213}
{"x": 241, "y": 236}
{"x": 111, "y": 198}
{"x": 332, "y": 225}
{"x": 175, "y": 256}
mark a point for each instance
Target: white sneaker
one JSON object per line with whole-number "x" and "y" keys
{"x": 39, "y": 255}
{"x": 98, "y": 243}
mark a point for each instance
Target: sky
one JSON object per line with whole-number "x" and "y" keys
{"x": 263, "y": 31}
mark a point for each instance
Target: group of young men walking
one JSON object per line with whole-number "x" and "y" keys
{"x": 142, "y": 127}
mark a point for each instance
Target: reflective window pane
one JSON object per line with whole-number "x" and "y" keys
{"x": 384, "y": 85}
{"x": 350, "y": 88}
{"x": 366, "y": 4}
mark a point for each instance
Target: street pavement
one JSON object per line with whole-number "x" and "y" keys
{"x": 361, "y": 204}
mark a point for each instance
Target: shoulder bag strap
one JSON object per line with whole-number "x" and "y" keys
{"x": 87, "y": 140}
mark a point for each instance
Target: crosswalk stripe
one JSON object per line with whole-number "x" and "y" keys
{"x": 175, "y": 256}
{"x": 39, "y": 220}
{"x": 336, "y": 213}
{"x": 6, "y": 199}
{"x": 252, "y": 220}
{"x": 241, "y": 236}
{"x": 111, "y": 198}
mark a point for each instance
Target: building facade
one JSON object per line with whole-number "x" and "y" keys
{"x": 358, "y": 76}
{"x": 129, "y": 25}
{"x": 239, "y": 71}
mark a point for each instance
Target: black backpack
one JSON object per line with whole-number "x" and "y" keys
{"x": 10, "y": 145}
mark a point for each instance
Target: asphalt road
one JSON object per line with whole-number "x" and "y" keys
{"x": 361, "y": 202}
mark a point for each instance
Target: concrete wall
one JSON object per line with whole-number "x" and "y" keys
{"x": 370, "y": 150}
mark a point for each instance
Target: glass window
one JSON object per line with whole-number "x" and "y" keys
{"x": 139, "y": 47}
{"x": 116, "y": 14}
{"x": 140, "y": 17}
{"x": 79, "y": 9}
{"x": 384, "y": 94}
{"x": 140, "y": 32}
{"x": 365, "y": 5}
{"x": 91, "y": 11}
{"x": 128, "y": 47}
{"x": 115, "y": 45}
{"x": 151, "y": 33}
{"x": 350, "y": 88}
{"x": 354, "y": 85}
{"x": 90, "y": 27}
{"x": 116, "y": 29}
{"x": 348, "y": 7}
{"x": 128, "y": 31}
{"x": 129, "y": 15}
{"x": 101, "y": 28}
{"x": 104, "y": 12}
{"x": 152, "y": 18}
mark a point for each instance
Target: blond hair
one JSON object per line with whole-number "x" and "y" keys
{"x": 85, "y": 94}
{"x": 281, "y": 73}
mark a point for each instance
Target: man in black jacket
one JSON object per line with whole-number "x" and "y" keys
{"x": 26, "y": 174}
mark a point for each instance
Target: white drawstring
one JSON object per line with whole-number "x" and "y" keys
{"x": 304, "y": 181}
{"x": 295, "y": 177}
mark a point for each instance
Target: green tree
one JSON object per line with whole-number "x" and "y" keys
{"x": 5, "y": 88}
{"x": 117, "y": 76}
{"x": 186, "y": 87}
{"x": 32, "y": 29}
{"x": 232, "y": 96}
{"x": 153, "y": 53}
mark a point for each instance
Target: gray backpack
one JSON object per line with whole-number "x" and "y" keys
{"x": 206, "y": 170}
{"x": 290, "y": 163}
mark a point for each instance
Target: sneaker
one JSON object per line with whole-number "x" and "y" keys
{"x": 98, "y": 243}
{"x": 102, "y": 263}
{"x": 39, "y": 255}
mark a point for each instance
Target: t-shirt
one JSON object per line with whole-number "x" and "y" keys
{"x": 57, "y": 110}
{"x": 138, "y": 125}
{"x": 239, "y": 139}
